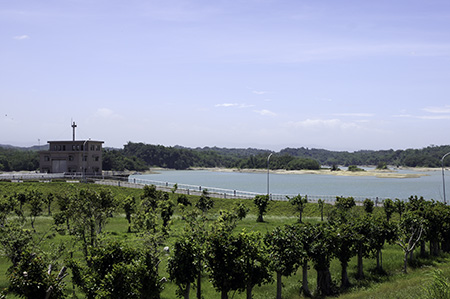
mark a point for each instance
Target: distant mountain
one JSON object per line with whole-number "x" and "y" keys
{"x": 31, "y": 148}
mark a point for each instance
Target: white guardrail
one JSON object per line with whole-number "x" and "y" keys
{"x": 168, "y": 186}
{"x": 230, "y": 193}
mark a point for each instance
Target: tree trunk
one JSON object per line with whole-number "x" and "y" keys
{"x": 360, "y": 273}
{"x": 278, "y": 285}
{"x": 345, "y": 282}
{"x": 324, "y": 282}
{"x": 435, "y": 247}
{"x": 249, "y": 291}
{"x": 224, "y": 295}
{"x": 379, "y": 260}
{"x": 187, "y": 290}
{"x": 305, "y": 288}
{"x": 423, "y": 252}
{"x": 405, "y": 262}
{"x": 199, "y": 284}
{"x": 260, "y": 218}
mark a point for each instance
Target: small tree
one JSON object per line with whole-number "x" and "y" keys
{"x": 261, "y": 202}
{"x": 284, "y": 252}
{"x": 166, "y": 208}
{"x": 48, "y": 200}
{"x": 182, "y": 265}
{"x": 205, "y": 202}
{"x": 7, "y": 205}
{"x": 299, "y": 202}
{"x": 368, "y": 206}
{"x": 183, "y": 200}
{"x": 223, "y": 257}
{"x": 410, "y": 230}
{"x": 241, "y": 210}
{"x": 389, "y": 208}
{"x": 129, "y": 207}
{"x": 400, "y": 207}
{"x": 32, "y": 278}
{"x": 116, "y": 270}
{"x": 35, "y": 202}
{"x": 254, "y": 261}
{"x": 321, "y": 252}
{"x": 320, "y": 204}
{"x": 345, "y": 240}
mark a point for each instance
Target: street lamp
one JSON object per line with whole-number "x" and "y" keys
{"x": 268, "y": 158}
{"x": 443, "y": 179}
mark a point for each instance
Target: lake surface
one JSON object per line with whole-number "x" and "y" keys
{"x": 315, "y": 185}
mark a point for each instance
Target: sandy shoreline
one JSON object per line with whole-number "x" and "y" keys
{"x": 390, "y": 173}
{"x": 419, "y": 172}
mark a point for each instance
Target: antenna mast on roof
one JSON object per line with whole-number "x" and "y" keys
{"x": 73, "y": 127}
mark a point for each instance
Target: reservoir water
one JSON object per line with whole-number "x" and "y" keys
{"x": 314, "y": 185}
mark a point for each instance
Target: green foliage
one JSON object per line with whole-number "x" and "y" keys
{"x": 382, "y": 166}
{"x": 33, "y": 278}
{"x": 116, "y": 270}
{"x": 118, "y": 161}
{"x": 335, "y": 240}
{"x": 439, "y": 287}
{"x": 129, "y": 207}
{"x": 284, "y": 249}
{"x": 183, "y": 265}
{"x": 368, "y": 205}
{"x": 299, "y": 202}
{"x": 389, "y": 208}
{"x": 205, "y": 202}
{"x": 344, "y": 204}
{"x": 354, "y": 168}
{"x": 261, "y": 202}
{"x": 16, "y": 159}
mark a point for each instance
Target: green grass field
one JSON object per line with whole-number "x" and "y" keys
{"x": 393, "y": 284}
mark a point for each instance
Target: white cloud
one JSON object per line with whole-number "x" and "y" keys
{"x": 445, "y": 109}
{"x": 107, "y": 113}
{"x": 259, "y": 92}
{"x": 323, "y": 124}
{"x": 355, "y": 114}
{"x": 21, "y": 37}
{"x": 226, "y": 105}
{"x": 265, "y": 112}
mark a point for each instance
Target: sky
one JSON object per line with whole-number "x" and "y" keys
{"x": 340, "y": 75}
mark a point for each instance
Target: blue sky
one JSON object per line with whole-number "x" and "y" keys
{"x": 339, "y": 75}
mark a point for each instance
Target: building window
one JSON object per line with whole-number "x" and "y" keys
{"x": 64, "y": 147}
{"x": 96, "y": 158}
{"x": 46, "y": 158}
{"x": 97, "y": 147}
{"x": 70, "y": 158}
{"x": 85, "y": 158}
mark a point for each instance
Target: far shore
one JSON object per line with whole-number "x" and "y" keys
{"x": 388, "y": 173}
{"x": 417, "y": 172}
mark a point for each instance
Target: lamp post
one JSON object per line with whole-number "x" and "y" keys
{"x": 268, "y": 158}
{"x": 443, "y": 179}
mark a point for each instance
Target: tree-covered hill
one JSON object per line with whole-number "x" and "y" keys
{"x": 141, "y": 156}
{"x": 427, "y": 157}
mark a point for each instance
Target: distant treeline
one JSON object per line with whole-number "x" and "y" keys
{"x": 12, "y": 159}
{"x": 140, "y": 156}
{"x": 427, "y": 157}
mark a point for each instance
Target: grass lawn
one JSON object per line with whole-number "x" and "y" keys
{"x": 393, "y": 284}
